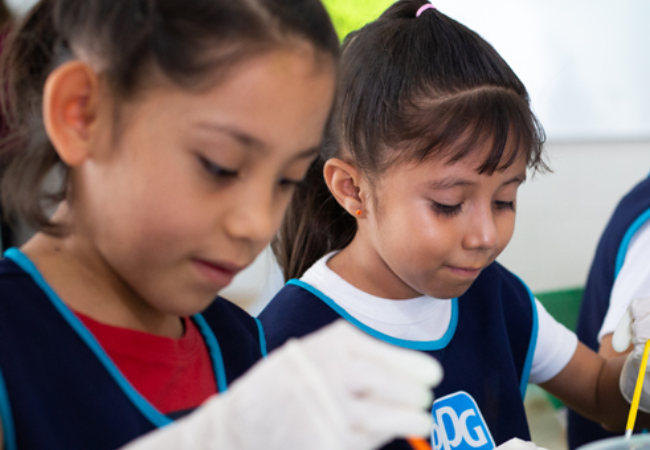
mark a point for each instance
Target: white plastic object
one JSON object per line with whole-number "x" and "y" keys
{"x": 518, "y": 444}
{"x": 622, "y": 337}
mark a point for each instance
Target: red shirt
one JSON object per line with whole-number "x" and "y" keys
{"x": 174, "y": 375}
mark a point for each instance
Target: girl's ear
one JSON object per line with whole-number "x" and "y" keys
{"x": 344, "y": 181}
{"x": 69, "y": 110}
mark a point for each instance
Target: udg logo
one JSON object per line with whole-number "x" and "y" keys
{"x": 459, "y": 425}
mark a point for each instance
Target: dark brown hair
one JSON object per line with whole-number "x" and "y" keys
{"x": 410, "y": 88}
{"x": 191, "y": 42}
{"x": 5, "y": 16}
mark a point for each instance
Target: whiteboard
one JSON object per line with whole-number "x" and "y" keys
{"x": 586, "y": 63}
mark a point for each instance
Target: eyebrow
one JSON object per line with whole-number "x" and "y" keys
{"x": 449, "y": 183}
{"x": 244, "y": 138}
{"x": 250, "y": 141}
{"x": 309, "y": 153}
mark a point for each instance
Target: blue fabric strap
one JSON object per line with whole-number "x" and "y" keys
{"x": 262, "y": 337}
{"x": 525, "y": 374}
{"x": 6, "y": 419}
{"x": 414, "y": 345}
{"x": 215, "y": 352}
{"x": 147, "y": 409}
{"x": 625, "y": 243}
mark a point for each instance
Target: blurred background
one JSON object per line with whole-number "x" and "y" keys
{"x": 586, "y": 64}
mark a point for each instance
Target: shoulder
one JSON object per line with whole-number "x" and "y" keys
{"x": 497, "y": 278}
{"x": 241, "y": 341}
{"x": 498, "y": 290}
{"x": 631, "y": 212}
{"x": 15, "y": 283}
{"x": 638, "y": 193}
{"x": 294, "y": 312}
{"x": 9, "y": 270}
{"x": 226, "y": 313}
{"x": 295, "y": 299}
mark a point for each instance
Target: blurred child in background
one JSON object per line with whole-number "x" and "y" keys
{"x": 620, "y": 273}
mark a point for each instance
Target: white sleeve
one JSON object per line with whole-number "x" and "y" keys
{"x": 555, "y": 347}
{"x": 633, "y": 280}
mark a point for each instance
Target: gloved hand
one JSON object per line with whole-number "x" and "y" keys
{"x": 337, "y": 389}
{"x": 518, "y": 444}
{"x": 634, "y": 328}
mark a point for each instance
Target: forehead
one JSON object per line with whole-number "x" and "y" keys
{"x": 443, "y": 171}
{"x": 281, "y": 97}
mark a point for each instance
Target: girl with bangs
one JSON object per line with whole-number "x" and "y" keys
{"x": 407, "y": 210}
{"x": 178, "y": 131}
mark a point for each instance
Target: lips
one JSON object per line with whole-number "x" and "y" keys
{"x": 217, "y": 273}
{"x": 470, "y": 272}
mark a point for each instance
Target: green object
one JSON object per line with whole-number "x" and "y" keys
{"x": 564, "y": 306}
{"x": 350, "y": 15}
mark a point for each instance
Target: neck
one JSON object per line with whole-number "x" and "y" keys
{"x": 87, "y": 284}
{"x": 362, "y": 266}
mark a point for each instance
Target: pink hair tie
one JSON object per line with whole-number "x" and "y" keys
{"x": 424, "y": 8}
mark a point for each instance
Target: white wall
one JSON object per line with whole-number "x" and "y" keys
{"x": 561, "y": 215}
{"x": 584, "y": 62}
{"x": 254, "y": 287}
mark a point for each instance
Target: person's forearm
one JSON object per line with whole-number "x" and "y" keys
{"x": 611, "y": 409}
{"x": 590, "y": 386}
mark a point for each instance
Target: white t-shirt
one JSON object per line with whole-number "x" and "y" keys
{"x": 633, "y": 280}
{"x": 427, "y": 319}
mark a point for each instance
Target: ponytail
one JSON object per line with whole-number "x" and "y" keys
{"x": 27, "y": 155}
{"x": 315, "y": 224}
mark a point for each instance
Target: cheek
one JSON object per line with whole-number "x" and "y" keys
{"x": 279, "y": 209}
{"x": 152, "y": 219}
{"x": 414, "y": 231}
{"x": 505, "y": 229}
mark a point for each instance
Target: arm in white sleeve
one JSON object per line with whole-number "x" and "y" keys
{"x": 633, "y": 281}
{"x": 337, "y": 389}
{"x": 554, "y": 348}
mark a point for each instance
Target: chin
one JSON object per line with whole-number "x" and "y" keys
{"x": 191, "y": 307}
{"x": 448, "y": 292}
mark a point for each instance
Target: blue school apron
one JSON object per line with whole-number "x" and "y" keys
{"x": 486, "y": 354}
{"x": 58, "y": 388}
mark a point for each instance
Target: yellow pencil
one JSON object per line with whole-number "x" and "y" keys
{"x": 419, "y": 444}
{"x": 637, "y": 392}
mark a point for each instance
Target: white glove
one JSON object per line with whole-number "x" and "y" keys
{"x": 337, "y": 389}
{"x": 518, "y": 444}
{"x": 634, "y": 328}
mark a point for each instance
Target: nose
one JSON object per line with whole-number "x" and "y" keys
{"x": 253, "y": 217}
{"x": 482, "y": 231}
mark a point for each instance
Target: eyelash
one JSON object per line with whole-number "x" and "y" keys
{"x": 510, "y": 206}
{"x": 452, "y": 210}
{"x": 288, "y": 183}
{"x": 446, "y": 210}
{"x": 217, "y": 171}
{"x": 224, "y": 174}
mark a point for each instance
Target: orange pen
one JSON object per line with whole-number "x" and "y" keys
{"x": 418, "y": 444}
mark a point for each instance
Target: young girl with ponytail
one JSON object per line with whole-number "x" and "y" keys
{"x": 167, "y": 137}
{"x": 403, "y": 218}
